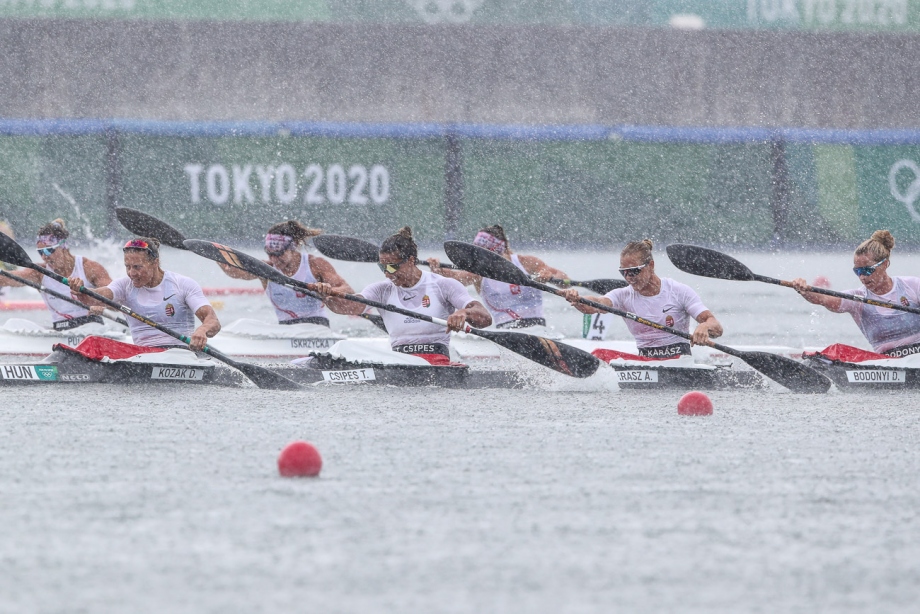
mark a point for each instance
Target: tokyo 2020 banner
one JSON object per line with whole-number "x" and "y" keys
{"x": 596, "y": 190}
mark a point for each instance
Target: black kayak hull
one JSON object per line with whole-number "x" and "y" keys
{"x": 853, "y": 377}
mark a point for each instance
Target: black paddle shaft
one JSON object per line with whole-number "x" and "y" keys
{"x": 707, "y": 262}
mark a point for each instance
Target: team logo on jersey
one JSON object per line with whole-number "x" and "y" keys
{"x": 905, "y": 302}
{"x": 515, "y": 289}
{"x": 170, "y": 310}
{"x": 669, "y": 321}
{"x": 300, "y": 294}
{"x": 426, "y": 302}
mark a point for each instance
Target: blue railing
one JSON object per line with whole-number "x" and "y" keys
{"x": 589, "y": 132}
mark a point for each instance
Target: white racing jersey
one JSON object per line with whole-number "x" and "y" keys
{"x": 292, "y": 304}
{"x": 62, "y": 310}
{"x": 433, "y": 295}
{"x": 675, "y": 306}
{"x": 887, "y": 328}
{"x": 172, "y": 303}
{"x": 507, "y": 302}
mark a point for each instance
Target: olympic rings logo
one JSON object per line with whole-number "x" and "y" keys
{"x": 910, "y": 195}
{"x": 445, "y": 11}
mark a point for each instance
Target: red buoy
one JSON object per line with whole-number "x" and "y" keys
{"x": 299, "y": 459}
{"x": 694, "y": 403}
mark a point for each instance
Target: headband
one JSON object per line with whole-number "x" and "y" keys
{"x": 277, "y": 243}
{"x": 484, "y": 239}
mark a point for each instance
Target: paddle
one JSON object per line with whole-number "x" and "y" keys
{"x": 11, "y": 252}
{"x": 601, "y": 286}
{"x": 557, "y": 356}
{"x": 63, "y": 297}
{"x": 351, "y": 249}
{"x": 145, "y": 225}
{"x": 785, "y": 371}
{"x": 710, "y": 263}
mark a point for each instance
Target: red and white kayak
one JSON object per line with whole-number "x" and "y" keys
{"x": 852, "y": 368}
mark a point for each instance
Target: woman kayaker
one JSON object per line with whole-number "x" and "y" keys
{"x": 52, "y": 247}
{"x": 425, "y": 292}
{"x": 511, "y": 305}
{"x": 283, "y": 244}
{"x": 167, "y": 298}
{"x": 659, "y": 299}
{"x": 892, "y": 332}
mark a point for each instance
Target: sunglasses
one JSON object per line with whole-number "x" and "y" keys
{"x": 865, "y": 271}
{"x": 276, "y": 254}
{"x": 390, "y": 268}
{"x": 633, "y": 270}
{"x": 47, "y": 251}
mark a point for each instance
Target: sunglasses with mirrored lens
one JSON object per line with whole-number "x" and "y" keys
{"x": 865, "y": 271}
{"x": 633, "y": 270}
{"x": 47, "y": 251}
{"x": 389, "y": 267}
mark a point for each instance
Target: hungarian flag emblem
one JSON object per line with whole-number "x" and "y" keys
{"x": 170, "y": 310}
{"x": 426, "y": 302}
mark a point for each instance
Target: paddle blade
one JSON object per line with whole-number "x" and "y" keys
{"x": 556, "y": 356}
{"x": 487, "y": 264}
{"x": 346, "y": 248}
{"x": 601, "y": 286}
{"x": 12, "y": 252}
{"x": 228, "y": 255}
{"x": 144, "y": 225}
{"x": 784, "y": 371}
{"x": 707, "y": 263}
{"x": 263, "y": 378}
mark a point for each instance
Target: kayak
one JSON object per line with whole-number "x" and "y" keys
{"x": 108, "y": 361}
{"x": 852, "y": 369}
{"x": 683, "y": 372}
{"x": 371, "y": 361}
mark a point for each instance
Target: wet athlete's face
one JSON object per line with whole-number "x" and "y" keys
{"x": 141, "y": 270}
{"x": 285, "y": 261}
{"x": 52, "y": 255}
{"x": 640, "y": 278}
{"x": 401, "y": 272}
{"x": 879, "y": 277}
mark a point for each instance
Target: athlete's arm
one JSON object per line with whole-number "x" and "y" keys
{"x": 539, "y": 270}
{"x": 96, "y": 273}
{"x": 324, "y": 272}
{"x": 235, "y": 273}
{"x": 210, "y": 326}
{"x": 829, "y": 302}
{"x": 338, "y": 305}
{"x": 474, "y": 313}
{"x": 464, "y": 277}
{"x": 76, "y": 283}
{"x": 708, "y": 328}
{"x": 572, "y": 296}
{"x": 28, "y": 274}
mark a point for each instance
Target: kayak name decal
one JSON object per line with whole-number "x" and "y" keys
{"x": 881, "y": 376}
